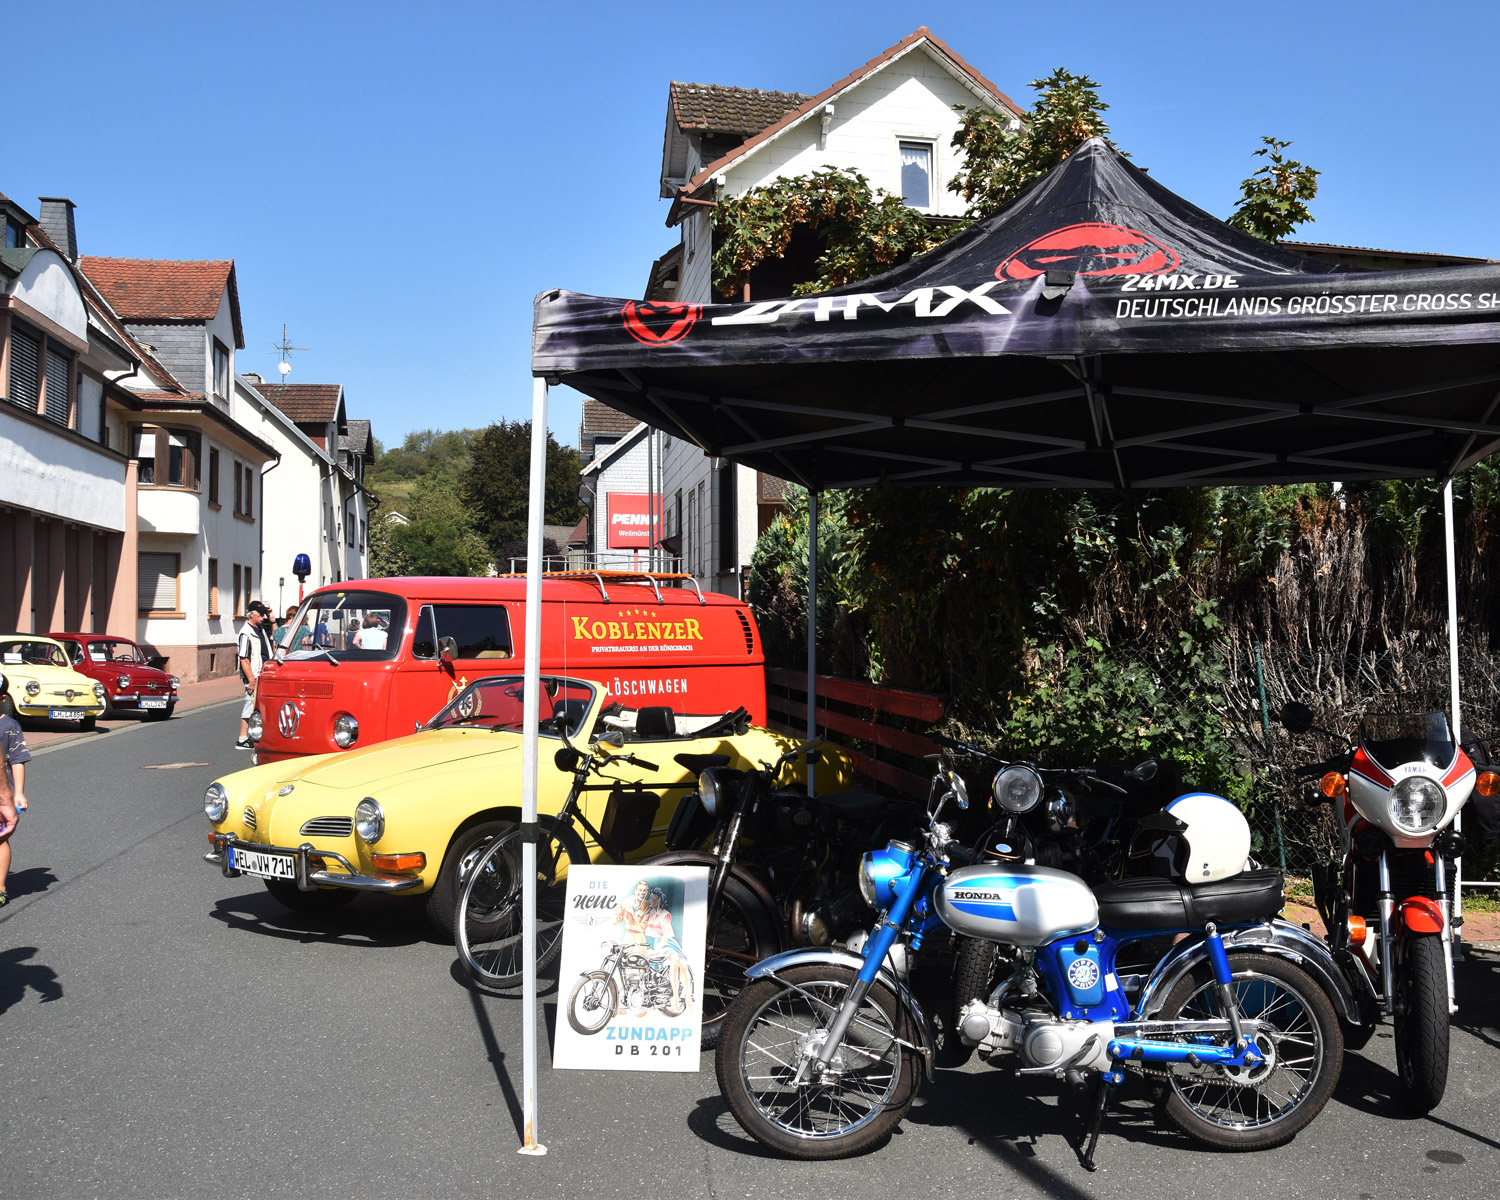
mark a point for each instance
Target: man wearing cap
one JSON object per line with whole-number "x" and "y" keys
{"x": 254, "y": 651}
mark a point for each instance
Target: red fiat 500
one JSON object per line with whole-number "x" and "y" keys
{"x": 131, "y": 683}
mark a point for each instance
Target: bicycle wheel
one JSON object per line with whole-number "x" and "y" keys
{"x": 488, "y": 920}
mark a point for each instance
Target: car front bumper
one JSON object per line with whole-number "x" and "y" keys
{"x": 309, "y": 876}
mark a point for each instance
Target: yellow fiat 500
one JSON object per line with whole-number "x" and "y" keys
{"x": 44, "y": 685}
{"x": 415, "y": 813}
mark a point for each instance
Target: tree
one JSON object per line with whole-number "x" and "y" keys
{"x": 439, "y": 538}
{"x": 385, "y": 558}
{"x": 1273, "y": 201}
{"x": 496, "y": 484}
{"x": 1003, "y": 156}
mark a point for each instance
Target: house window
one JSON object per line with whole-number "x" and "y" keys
{"x": 916, "y": 174}
{"x": 213, "y": 477}
{"x": 58, "y": 406}
{"x": 143, "y": 450}
{"x": 239, "y": 489}
{"x": 25, "y": 366}
{"x": 156, "y": 582}
{"x": 221, "y": 370}
{"x": 238, "y": 608}
{"x": 249, "y": 493}
{"x": 15, "y": 235}
{"x": 364, "y": 535}
{"x": 248, "y": 588}
{"x": 213, "y": 587}
{"x": 166, "y": 457}
{"x": 349, "y": 529}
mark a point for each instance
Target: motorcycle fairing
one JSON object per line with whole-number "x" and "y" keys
{"x": 1419, "y": 914}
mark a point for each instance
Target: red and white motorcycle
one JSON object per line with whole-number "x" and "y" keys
{"x": 1386, "y": 902}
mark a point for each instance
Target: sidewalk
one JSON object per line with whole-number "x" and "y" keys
{"x": 190, "y": 696}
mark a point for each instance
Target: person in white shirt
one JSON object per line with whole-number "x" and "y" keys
{"x": 372, "y": 636}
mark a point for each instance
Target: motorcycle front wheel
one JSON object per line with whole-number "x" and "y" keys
{"x": 775, "y": 1025}
{"x": 1295, "y": 1028}
{"x": 488, "y": 920}
{"x": 594, "y": 1000}
{"x": 1422, "y": 1022}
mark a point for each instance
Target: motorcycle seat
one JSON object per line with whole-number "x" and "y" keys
{"x": 854, "y": 806}
{"x": 1151, "y": 903}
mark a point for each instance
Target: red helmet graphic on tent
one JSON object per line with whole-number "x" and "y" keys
{"x": 1091, "y": 248}
{"x": 659, "y": 322}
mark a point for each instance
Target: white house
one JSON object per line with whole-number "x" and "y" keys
{"x": 892, "y": 120}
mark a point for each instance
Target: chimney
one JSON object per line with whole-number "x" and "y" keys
{"x": 57, "y": 220}
{"x": 252, "y": 377}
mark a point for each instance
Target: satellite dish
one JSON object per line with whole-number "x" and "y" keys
{"x": 284, "y": 367}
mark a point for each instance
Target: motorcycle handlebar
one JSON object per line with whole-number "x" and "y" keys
{"x": 962, "y": 854}
{"x": 641, "y": 762}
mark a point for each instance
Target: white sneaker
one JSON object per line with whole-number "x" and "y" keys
{"x": 244, "y": 743}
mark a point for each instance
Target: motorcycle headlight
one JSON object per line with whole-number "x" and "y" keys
{"x": 1062, "y": 812}
{"x": 713, "y": 786}
{"x": 1018, "y": 788}
{"x": 1417, "y": 804}
{"x": 867, "y": 880}
{"x": 369, "y": 820}
{"x": 123, "y": 681}
{"x": 880, "y": 869}
{"x": 215, "y": 802}
{"x": 32, "y": 687}
{"x": 345, "y": 731}
{"x": 256, "y": 726}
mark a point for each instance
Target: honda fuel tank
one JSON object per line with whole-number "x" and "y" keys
{"x": 1022, "y": 905}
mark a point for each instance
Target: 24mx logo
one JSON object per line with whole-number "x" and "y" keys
{"x": 659, "y": 322}
{"x": 1090, "y": 248}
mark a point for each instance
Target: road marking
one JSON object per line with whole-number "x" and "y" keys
{"x": 172, "y": 766}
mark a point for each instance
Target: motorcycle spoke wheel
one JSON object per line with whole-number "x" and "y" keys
{"x": 774, "y": 1026}
{"x": 489, "y": 908}
{"x": 594, "y": 1001}
{"x": 1297, "y": 1029}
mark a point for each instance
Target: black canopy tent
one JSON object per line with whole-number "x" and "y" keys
{"x": 1097, "y": 332}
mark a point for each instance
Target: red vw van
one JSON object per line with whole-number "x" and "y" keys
{"x": 370, "y": 659}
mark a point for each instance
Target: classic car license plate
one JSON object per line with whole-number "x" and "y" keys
{"x": 150, "y": 703}
{"x": 267, "y": 866}
{"x": 66, "y": 714}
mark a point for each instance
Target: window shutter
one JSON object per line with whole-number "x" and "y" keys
{"x": 157, "y": 582}
{"x": 59, "y": 386}
{"x": 25, "y": 366}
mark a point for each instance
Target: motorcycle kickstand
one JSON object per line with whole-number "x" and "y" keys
{"x": 1095, "y": 1121}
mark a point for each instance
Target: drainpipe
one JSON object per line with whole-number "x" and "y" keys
{"x": 261, "y": 540}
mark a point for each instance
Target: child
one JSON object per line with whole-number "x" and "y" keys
{"x": 14, "y": 756}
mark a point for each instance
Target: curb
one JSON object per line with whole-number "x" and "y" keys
{"x": 79, "y": 739}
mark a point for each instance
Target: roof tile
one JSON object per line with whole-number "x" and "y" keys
{"x": 716, "y": 109}
{"x": 158, "y": 289}
{"x": 304, "y": 403}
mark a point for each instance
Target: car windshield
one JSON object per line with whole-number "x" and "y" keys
{"x": 32, "y": 654}
{"x": 1394, "y": 739}
{"x": 116, "y": 652}
{"x": 352, "y": 626}
{"x": 498, "y": 704}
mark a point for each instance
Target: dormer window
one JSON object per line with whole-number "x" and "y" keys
{"x": 916, "y": 174}
{"x": 221, "y": 370}
{"x": 15, "y": 234}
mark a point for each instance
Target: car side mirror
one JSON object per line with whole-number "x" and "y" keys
{"x": 447, "y": 649}
{"x": 614, "y": 739}
{"x": 1297, "y": 717}
{"x": 566, "y": 758}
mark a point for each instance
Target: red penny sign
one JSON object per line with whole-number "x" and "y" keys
{"x": 659, "y": 322}
{"x": 1091, "y": 248}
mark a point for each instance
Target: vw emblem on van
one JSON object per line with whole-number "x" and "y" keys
{"x": 287, "y": 719}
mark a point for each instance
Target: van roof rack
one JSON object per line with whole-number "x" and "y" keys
{"x": 655, "y": 580}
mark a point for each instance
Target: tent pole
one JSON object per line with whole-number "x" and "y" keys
{"x": 812, "y": 630}
{"x": 1458, "y": 865}
{"x": 531, "y": 719}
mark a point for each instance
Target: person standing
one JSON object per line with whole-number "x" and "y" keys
{"x": 283, "y": 631}
{"x": 13, "y": 757}
{"x": 254, "y": 652}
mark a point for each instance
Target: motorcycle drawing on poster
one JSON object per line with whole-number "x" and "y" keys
{"x": 634, "y": 940}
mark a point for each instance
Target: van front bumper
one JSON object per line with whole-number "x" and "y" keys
{"x": 310, "y": 869}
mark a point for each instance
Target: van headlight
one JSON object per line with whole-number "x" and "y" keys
{"x": 369, "y": 820}
{"x": 1018, "y": 788}
{"x": 1417, "y": 804}
{"x": 215, "y": 802}
{"x": 345, "y": 731}
{"x": 256, "y": 726}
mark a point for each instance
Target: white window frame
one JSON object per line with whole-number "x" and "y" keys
{"x": 930, "y": 144}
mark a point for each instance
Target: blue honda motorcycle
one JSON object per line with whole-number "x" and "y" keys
{"x": 1239, "y": 1023}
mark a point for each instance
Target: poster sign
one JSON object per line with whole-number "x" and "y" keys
{"x": 631, "y": 517}
{"x": 630, "y": 981}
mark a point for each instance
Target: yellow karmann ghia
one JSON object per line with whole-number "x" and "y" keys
{"x": 43, "y": 684}
{"x": 414, "y": 814}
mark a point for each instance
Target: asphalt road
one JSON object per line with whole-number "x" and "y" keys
{"x": 167, "y": 1032}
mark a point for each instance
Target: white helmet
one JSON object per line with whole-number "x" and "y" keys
{"x": 1216, "y": 842}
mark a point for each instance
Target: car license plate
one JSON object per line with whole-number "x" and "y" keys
{"x": 149, "y": 703}
{"x": 66, "y": 714}
{"x": 267, "y": 866}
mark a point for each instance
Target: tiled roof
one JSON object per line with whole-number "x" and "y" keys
{"x": 598, "y": 417}
{"x": 715, "y": 109}
{"x": 357, "y": 440}
{"x": 152, "y": 289}
{"x": 304, "y": 403}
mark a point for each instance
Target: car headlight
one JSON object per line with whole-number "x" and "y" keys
{"x": 345, "y": 731}
{"x": 1417, "y": 804}
{"x": 32, "y": 687}
{"x": 256, "y": 726}
{"x": 215, "y": 802}
{"x": 369, "y": 820}
{"x": 122, "y": 681}
{"x": 176, "y": 683}
{"x": 713, "y": 786}
{"x": 98, "y": 690}
{"x": 1018, "y": 788}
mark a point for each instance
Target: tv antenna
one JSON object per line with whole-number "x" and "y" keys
{"x": 286, "y": 348}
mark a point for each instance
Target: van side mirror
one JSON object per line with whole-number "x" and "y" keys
{"x": 1297, "y": 717}
{"x": 447, "y": 649}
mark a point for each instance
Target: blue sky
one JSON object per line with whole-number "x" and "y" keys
{"x": 395, "y": 182}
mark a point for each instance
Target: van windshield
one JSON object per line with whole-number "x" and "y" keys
{"x": 499, "y": 704}
{"x": 353, "y": 626}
